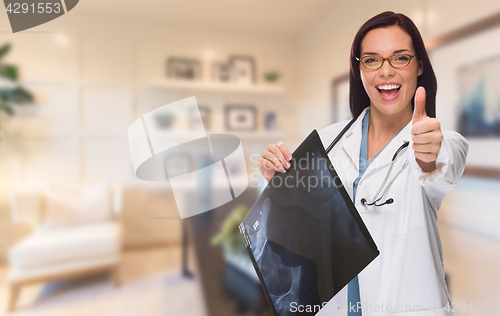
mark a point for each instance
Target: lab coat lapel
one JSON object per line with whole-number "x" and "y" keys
{"x": 352, "y": 140}
{"x": 351, "y": 145}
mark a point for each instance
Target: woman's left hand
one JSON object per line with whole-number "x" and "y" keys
{"x": 426, "y": 134}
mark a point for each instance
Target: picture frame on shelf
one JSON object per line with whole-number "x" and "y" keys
{"x": 242, "y": 69}
{"x": 222, "y": 72}
{"x": 194, "y": 122}
{"x": 184, "y": 68}
{"x": 241, "y": 117}
{"x": 178, "y": 164}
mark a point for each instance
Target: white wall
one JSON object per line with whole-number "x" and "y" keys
{"x": 468, "y": 225}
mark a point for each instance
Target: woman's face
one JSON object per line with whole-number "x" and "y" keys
{"x": 390, "y": 90}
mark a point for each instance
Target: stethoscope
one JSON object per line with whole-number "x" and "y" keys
{"x": 389, "y": 200}
{"x": 376, "y": 200}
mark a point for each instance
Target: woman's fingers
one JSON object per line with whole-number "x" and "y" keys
{"x": 266, "y": 164}
{"x": 425, "y": 156}
{"x": 425, "y": 125}
{"x": 266, "y": 168}
{"x": 284, "y": 149}
{"x": 426, "y": 138}
{"x": 426, "y": 148}
{"x": 280, "y": 150}
{"x": 275, "y": 158}
{"x": 271, "y": 156}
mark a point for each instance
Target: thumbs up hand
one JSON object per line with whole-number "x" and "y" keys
{"x": 426, "y": 134}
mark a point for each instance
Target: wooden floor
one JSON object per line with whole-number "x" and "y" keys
{"x": 140, "y": 263}
{"x": 136, "y": 264}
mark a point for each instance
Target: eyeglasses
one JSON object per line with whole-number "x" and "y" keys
{"x": 396, "y": 61}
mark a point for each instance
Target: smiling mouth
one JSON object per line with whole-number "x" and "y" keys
{"x": 389, "y": 92}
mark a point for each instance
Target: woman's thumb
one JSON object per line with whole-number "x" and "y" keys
{"x": 419, "y": 110}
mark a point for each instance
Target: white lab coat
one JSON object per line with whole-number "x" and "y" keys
{"x": 409, "y": 272}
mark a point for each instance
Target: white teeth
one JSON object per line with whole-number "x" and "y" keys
{"x": 389, "y": 87}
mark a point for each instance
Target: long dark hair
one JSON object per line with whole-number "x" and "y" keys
{"x": 358, "y": 99}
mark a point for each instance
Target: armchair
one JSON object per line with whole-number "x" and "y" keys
{"x": 75, "y": 233}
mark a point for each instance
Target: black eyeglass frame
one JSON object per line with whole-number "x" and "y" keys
{"x": 388, "y": 60}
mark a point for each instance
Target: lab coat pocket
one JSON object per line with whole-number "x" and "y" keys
{"x": 404, "y": 213}
{"x": 408, "y": 207}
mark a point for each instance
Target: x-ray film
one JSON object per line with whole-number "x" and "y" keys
{"x": 304, "y": 236}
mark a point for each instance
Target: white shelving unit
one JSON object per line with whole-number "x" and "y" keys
{"x": 255, "y": 135}
{"x": 85, "y": 110}
{"x": 169, "y": 84}
{"x": 257, "y": 91}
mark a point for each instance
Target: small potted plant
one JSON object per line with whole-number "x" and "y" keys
{"x": 165, "y": 120}
{"x": 11, "y": 93}
{"x": 272, "y": 76}
{"x": 233, "y": 248}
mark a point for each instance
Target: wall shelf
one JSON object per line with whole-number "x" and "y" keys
{"x": 168, "y": 84}
{"x": 265, "y": 89}
{"x": 246, "y": 135}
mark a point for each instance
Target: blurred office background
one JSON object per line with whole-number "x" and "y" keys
{"x": 80, "y": 234}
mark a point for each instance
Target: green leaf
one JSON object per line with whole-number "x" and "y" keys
{"x": 6, "y": 94}
{"x": 6, "y": 108}
{"x": 4, "y": 50}
{"x": 21, "y": 95}
{"x": 9, "y": 71}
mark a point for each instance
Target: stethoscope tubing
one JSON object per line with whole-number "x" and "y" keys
{"x": 363, "y": 200}
{"x": 390, "y": 200}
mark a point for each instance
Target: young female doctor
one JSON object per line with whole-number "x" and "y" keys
{"x": 397, "y": 166}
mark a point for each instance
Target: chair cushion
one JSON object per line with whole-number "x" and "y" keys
{"x": 66, "y": 206}
{"x": 67, "y": 243}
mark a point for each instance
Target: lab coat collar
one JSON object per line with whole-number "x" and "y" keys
{"x": 352, "y": 144}
{"x": 352, "y": 139}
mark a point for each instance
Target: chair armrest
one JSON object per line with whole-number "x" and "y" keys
{"x": 26, "y": 208}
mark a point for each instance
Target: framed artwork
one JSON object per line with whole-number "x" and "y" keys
{"x": 479, "y": 109}
{"x": 270, "y": 121}
{"x": 205, "y": 118}
{"x": 221, "y": 72}
{"x": 183, "y": 68}
{"x": 242, "y": 69}
{"x": 468, "y": 98}
{"x": 241, "y": 117}
{"x": 194, "y": 114}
